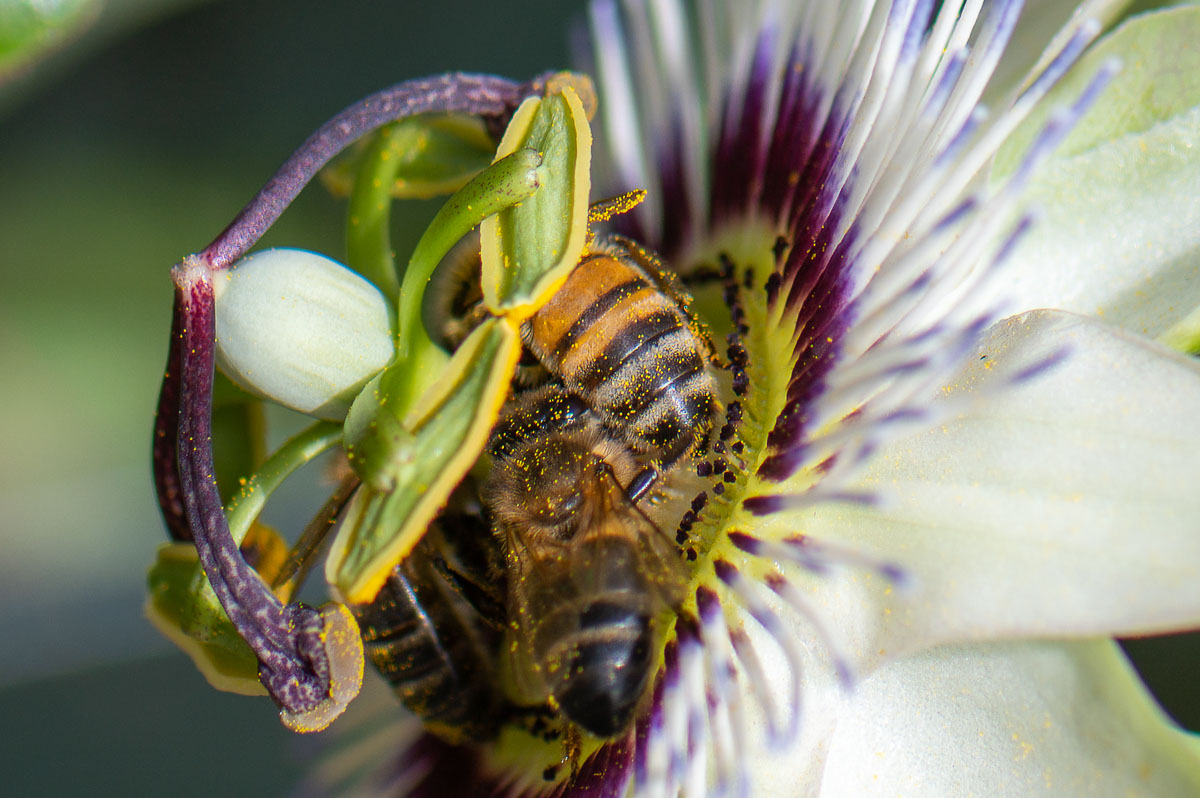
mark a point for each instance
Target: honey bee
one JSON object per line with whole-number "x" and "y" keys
{"x": 435, "y": 627}
{"x": 589, "y": 573}
{"x": 581, "y": 467}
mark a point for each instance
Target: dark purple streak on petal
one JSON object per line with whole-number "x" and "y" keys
{"x": 825, "y": 314}
{"x": 649, "y": 722}
{"x": 917, "y": 31}
{"x": 433, "y": 768}
{"x": 739, "y": 157}
{"x": 793, "y": 139}
{"x": 804, "y": 217}
{"x": 606, "y": 773}
{"x": 677, "y": 225}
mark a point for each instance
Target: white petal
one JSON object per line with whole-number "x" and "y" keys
{"x": 1021, "y": 720}
{"x": 1066, "y": 505}
{"x": 1120, "y": 232}
{"x": 300, "y": 329}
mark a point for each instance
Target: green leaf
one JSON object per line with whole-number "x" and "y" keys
{"x": 1118, "y": 234}
{"x": 28, "y": 29}
{"x": 529, "y": 249}
{"x": 1159, "y": 80}
{"x": 429, "y": 453}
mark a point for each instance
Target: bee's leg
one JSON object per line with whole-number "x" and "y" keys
{"x": 572, "y": 749}
{"x": 641, "y": 483}
{"x": 475, "y": 591}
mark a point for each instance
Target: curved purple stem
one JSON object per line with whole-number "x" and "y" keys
{"x": 482, "y": 95}
{"x": 287, "y": 639}
{"x": 165, "y": 452}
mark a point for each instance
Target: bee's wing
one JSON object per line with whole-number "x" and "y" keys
{"x": 657, "y": 556}
{"x": 661, "y": 561}
{"x": 531, "y": 592}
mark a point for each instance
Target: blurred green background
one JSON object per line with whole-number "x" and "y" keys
{"x": 134, "y": 143}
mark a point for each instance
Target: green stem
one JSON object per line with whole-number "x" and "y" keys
{"x": 503, "y": 184}
{"x": 368, "y": 232}
{"x": 299, "y": 450}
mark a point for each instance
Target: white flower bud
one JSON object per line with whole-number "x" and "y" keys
{"x": 300, "y": 329}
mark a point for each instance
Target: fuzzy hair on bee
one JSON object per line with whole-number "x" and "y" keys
{"x": 589, "y": 573}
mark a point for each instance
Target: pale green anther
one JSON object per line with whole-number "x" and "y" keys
{"x": 301, "y": 330}
{"x": 529, "y": 249}
{"x": 376, "y": 435}
{"x": 410, "y": 466}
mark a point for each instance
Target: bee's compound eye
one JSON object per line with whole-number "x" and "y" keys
{"x": 559, "y": 513}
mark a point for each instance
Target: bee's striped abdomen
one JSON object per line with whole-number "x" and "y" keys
{"x": 614, "y": 336}
{"x": 429, "y": 639}
{"x": 596, "y": 640}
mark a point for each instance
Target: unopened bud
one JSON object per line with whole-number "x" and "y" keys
{"x": 300, "y": 329}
